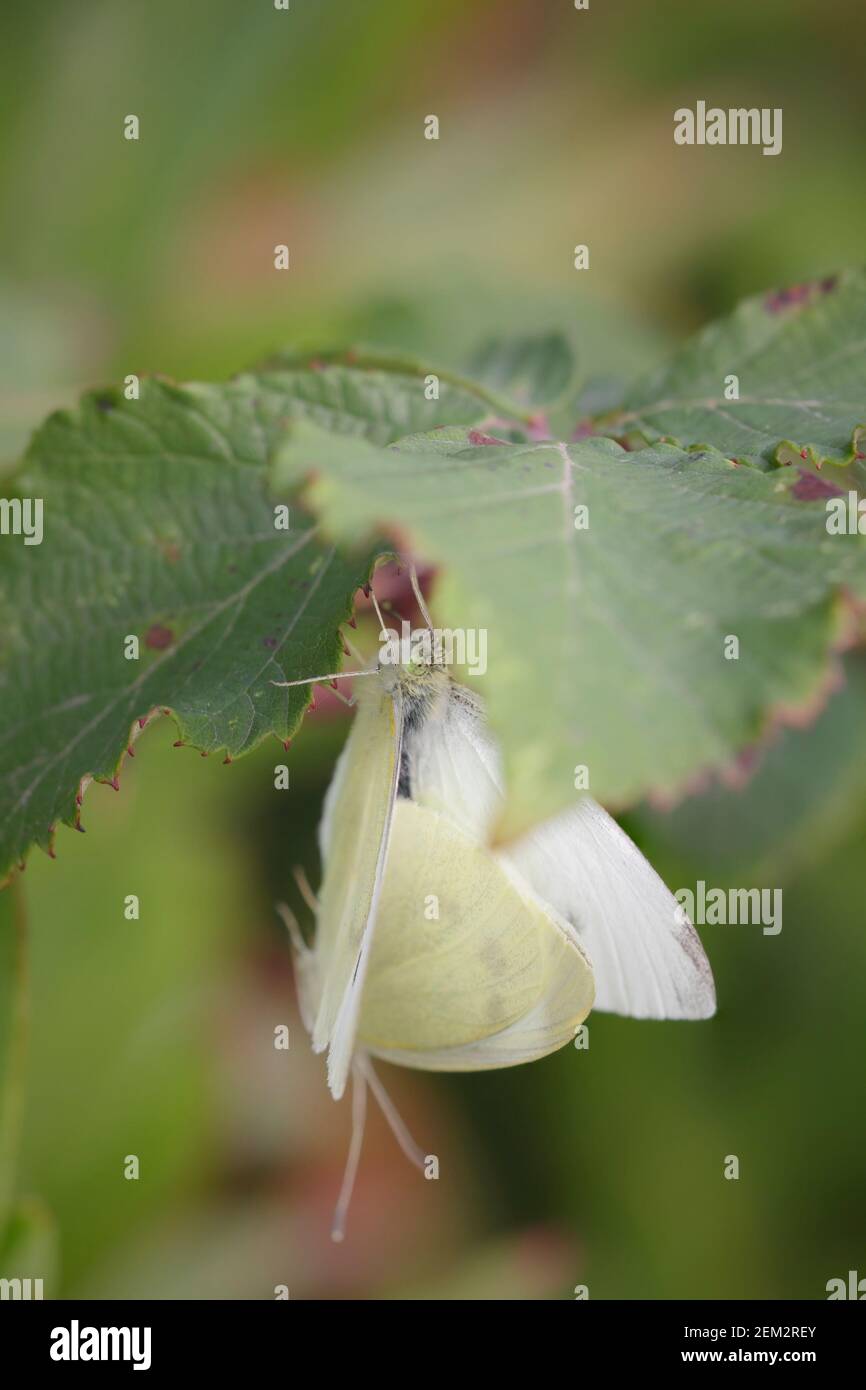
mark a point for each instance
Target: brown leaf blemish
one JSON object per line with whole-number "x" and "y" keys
{"x": 479, "y": 437}
{"x": 157, "y": 637}
{"x": 792, "y": 297}
{"x": 810, "y": 488}
{"x": 796, "y": 295}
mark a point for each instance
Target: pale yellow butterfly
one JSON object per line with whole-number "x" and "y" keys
{"x": 521, "y": 940}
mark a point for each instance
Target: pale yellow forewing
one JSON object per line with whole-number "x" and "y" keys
{"x": 468, "y": 969}
{"x": 359, "y": 820}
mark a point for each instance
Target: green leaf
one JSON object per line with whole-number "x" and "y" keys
{"x": 157, "y": 525}
{"x": 790, "y": 804}
{"x": 385, "y": 395}
{"x": 606, "y": 645}
{"x": 538, "y": 370}
{"x": 798, "y": 356}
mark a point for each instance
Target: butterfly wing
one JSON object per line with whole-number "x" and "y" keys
{"x": 468, "y": 970}
{"x": 648, "y": 961}
{"x": 647, "y": 957}
{"x": 354, "y": 835}
{"x": 453, "y": 764}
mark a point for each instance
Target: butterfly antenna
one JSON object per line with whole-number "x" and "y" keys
{"x": 419, "y": 597}
{"x": 359, "y": 1116}
{"x": 305, "y": 890}
{"x": 334, "y": 676}
{"x": 384, "y": 631}
{"x": 396, "y": 1125}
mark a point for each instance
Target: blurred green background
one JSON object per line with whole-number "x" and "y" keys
{"x": 156, "y": 1037}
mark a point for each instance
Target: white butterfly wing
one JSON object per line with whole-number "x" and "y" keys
{"x": 453, "y": 764}
{"x": 648, "y": 960}
{"x": 647, "y": 957}
{"x": 354, "y": 836}
{"x": 469, "y": 970}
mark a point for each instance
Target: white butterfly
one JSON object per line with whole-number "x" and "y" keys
{"x": 434, "y": 951}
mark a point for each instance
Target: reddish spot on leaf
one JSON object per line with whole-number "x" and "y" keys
{"x": 158, "y": 637}
{"x": 538, "y": 427}
{"x": 798, "y": 294}
{"x": 479, "y": 437}
{"x": 780, "y": 300}
{"x": 810, "y": 488}
{"x": 270, "y": 642}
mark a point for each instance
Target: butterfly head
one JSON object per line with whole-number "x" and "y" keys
{"x": 413, "y": 662}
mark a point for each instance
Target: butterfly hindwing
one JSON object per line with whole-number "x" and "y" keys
{"x": 468, "y": 970}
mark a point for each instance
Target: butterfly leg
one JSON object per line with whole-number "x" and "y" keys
{"x": 359, "y": 1116}
{"x": 413, "y": 1152}
{"x": 290, "y": 921}
{"x": 305, "y": 890}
